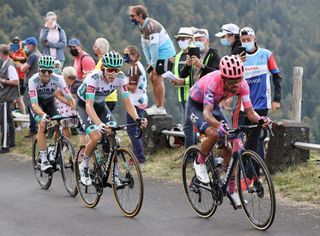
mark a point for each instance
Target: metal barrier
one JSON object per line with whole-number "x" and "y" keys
{"x": 173, "y": 133}
{"x": 307, "y": 146}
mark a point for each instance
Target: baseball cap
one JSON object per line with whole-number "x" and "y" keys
{"x": 16, "y": 38}
{"x": 228, "y": 29}
{"x": 247, "y": 31}
{"x": 31, "y": 41}
{"x": 184, "y": 32}
{"x": 201, "y": 33}
{"x": 73, "y": 42}
{"x": 50, "y": 14}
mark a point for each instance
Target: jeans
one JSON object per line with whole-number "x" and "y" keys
{"x": 132, "y": 131}
{"x": 182, "y": 106}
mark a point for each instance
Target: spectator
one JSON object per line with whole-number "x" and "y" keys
{"x": 259, "y": 68}
{"x": 53, "y": 38}
{"x": 9, "y": 83}
{"x": 229, "y": 37}
{"x": 57, "y": 67}
{"x": 18, "y": 55}
{"x": 30, "y": 68}
{"x": 83, "y": 62}
{"x": 137, "y": 87}
{"x": 196, "y": 68}
{"x": 158, "y": 50}
{"x": 100, "y": 47}
{"x": 184, "y": 39}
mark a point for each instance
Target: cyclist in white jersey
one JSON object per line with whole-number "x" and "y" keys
{"x": 42, "y": 87}
{"x": 92, "y": 110}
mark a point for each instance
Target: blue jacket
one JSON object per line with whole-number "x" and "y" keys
{"x": 59, "y": 45}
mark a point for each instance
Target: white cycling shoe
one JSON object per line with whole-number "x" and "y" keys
{"x": 84, "y": 175}
{"x": 201, "y": 172}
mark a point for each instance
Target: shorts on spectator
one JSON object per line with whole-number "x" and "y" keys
{"x": 163, "y": 65}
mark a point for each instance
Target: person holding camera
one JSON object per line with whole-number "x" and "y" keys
{"x": 201, "y": 60}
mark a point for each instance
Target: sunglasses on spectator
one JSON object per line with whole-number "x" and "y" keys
{"x": 112, "y": 70}
{"x": 43, "y": 71}
{"x": 233, "y": 81}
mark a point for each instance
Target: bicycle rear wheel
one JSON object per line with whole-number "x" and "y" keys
{"x": 127, "y": 182}
{"x": 199, "y": 198}
{"x": 66, "y": 159}
{"x": 44, "y": 178}
{"x": 256, "y": 190}
{"x": 90, "y": 195}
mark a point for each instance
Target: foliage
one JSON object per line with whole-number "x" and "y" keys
{"x": 289, "y": 28}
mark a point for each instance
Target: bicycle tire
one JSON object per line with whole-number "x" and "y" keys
{"x": 43, "y": 178}
{"x": 88, "y": 194}
{"x": 66, "y": 159}
{"x": 127, "y": 182}
{"x": 205, "y": 206}
{"x": 256, "y": 191}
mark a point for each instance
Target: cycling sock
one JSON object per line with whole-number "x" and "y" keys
{"x": 43, "y": 156}
{"x": 201, "y": 159}
{"x": 232, "y": 184}
{"x": 85, "y": 161}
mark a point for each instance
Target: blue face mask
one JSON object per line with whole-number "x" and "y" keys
{"x": 199, "y": 45}
{"x": 249, "y": 46}
{"x": 225, "y": 42}
{"x": 134, "y": 21}
{"x": 14, "y": 47}
{"x": 126, "y": 58}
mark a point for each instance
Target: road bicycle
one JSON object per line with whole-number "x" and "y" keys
{"x": 254, "y": 183}
{"x": 126, "y": 183}
{"x": 60, "y": 154}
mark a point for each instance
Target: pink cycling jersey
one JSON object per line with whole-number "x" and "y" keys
{"x": 209, "y": 90}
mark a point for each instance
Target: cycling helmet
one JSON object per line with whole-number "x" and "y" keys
{"x": 112, "y": 59}
{"x": 46, "y": 62}
{"x": 247, "y": 31}
{"x": 231, "y": 67}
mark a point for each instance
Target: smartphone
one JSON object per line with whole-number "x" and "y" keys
{"x": 149, "y": 69}
{"x": 194, "y": 51}
{"x": 239, "y": 50}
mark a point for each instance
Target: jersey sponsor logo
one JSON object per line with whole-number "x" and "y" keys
{"x": 91, "y": 89}
{"x": 125, "y": 88}
{"x": 32, "y": 93}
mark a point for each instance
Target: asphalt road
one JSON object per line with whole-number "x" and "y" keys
{"x": 26, "y": 209}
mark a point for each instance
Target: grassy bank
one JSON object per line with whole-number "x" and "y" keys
{"x": 298, "y": 183}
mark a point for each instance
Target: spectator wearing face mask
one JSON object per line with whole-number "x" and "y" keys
{"x": 83, "y": 62}
{"x": 229, "y": 37}
{"x": 184, "y": 39}
{"x": 53, "y": 38}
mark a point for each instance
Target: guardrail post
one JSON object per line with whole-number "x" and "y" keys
{"x": 297, "y": 93}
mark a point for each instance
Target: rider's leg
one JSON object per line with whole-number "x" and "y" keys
{"x": 207, "y": 145}
{"x": 94, "y": 138}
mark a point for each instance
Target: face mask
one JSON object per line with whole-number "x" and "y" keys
{"x": 200, "y": 45}
{"x": 134, "y": 21}
{"x": 74, "y": 52}
{"x": 14, "y": 47}
{"x": 183, "y": 44}
{"x": 249, "y": 46}
{"x": 27, "y": 51}
{"x": 57, "y": 71}
{"x": 126, "y": 58}
{"x": 225, "y": 42}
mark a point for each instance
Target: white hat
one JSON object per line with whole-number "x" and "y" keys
{"x": 228, "y": 29}
{"x": 201, "y": 33}
{"x": 50, "y": 14}
{"x": 184, "y": 32}
{"x": 57, "y": 62}
{"x": 247, "y": 31}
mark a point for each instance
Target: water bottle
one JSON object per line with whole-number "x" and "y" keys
{"x": 98, "y": 158}
{"x": 218, "y": 164}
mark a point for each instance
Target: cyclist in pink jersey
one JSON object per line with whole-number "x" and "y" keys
{"x": 203, "y": 110}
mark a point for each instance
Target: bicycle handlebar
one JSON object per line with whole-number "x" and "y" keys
{"x": 235, "y": 132}
{"x": 114, "y": 127}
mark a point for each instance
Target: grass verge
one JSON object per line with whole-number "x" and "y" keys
{"x": 298, "y": 183}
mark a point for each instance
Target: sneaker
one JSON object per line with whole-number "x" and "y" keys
{"x": 201, "y": 172}
{"x": 45, "y": 165}
{"x": 154, "y": 110}
{"x": 236, "y": 199}
{"x": 84, "y": 175}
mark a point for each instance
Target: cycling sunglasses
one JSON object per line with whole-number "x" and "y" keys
{"x": 43, "y": 71}
{"x": 112, "y": 70}
{"x": 233, "y": 81}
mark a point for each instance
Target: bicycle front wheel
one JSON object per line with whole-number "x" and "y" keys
{"x": 90, "y": 195}
{"x": 256, "y": 190}
{"x": 44, "y": 178}
{"x": 127, "y": 182}
{"x": 199, "y": 198}
{"x": 66, "y": 158}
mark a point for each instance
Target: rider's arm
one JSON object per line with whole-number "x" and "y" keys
{"x": 37, "y": 109}
{"x": 252, "y": 115}
{"x": 209, "y": 118}
{"x": 91, "y": 112}
{"x": 130, "y": 108}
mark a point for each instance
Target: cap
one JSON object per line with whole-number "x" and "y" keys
{"x": 184, "y": 32}
{"x": 57, "y": 62}
{"x": 73, "y": 42}
{"x": 247, "y": 31}
{"x": 16, "y": 38}
{"x": 31, "y": 41}
{"x": 201, "y": 33}
{"x": 228, "y": 29}
{"x": 50, "y": 14}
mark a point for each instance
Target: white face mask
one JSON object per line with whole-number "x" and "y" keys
{"x": 183, "y": 44}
